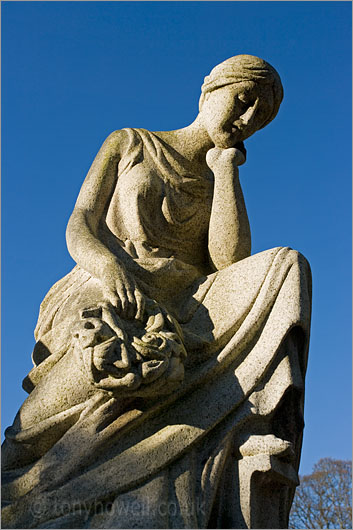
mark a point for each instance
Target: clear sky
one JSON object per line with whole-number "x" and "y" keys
{"x": 72, "y": 72}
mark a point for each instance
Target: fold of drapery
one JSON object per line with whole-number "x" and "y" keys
{"x": 223, "y": 391}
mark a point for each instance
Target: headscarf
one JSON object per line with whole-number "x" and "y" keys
{"x": 242, "y": 68}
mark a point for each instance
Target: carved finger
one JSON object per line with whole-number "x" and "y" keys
{"x": 212, "y": 156}
{"x": 132, "y": 305}
{"x": 118, "y": 306}
{"x": 111, "y": 297}
{"x": 115, "y": 301}
{"x": 140, "y": 301}
{"x": 124, "y": 301}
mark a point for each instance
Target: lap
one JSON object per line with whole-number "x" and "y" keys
{"x": 230, "y": 296}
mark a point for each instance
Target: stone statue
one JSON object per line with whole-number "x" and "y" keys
{"x": 168, "y": 381}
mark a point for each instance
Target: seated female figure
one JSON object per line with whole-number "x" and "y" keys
{"x": 169, "y": 362}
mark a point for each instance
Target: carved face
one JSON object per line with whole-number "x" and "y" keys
{"x": 232, "y": 113}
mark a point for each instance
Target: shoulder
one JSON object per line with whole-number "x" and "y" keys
{"x": 117, "y": 142}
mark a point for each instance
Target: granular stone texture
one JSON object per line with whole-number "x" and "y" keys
{"x": 168, "y": 381}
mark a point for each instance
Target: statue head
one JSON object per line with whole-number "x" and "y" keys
{"x": 241, "y": 95}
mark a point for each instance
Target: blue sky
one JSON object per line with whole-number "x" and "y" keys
{"x": 72, "y": 72}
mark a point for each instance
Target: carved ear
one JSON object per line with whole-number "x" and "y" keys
{"x": 249, "y": 115}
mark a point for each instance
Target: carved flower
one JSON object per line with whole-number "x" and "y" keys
{"x": 133, "y": 359}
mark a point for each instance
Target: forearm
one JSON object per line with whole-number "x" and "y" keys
{"x": 229, "y": 231}
{"x": 84, "y": 237}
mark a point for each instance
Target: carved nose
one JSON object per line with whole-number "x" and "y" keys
{"x": 246, "y": 118}
{"x": 249, "y": 115}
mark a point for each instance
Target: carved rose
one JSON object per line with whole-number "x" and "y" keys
{"x": 131, "y": 358}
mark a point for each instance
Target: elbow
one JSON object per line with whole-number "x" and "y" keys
{"x": 244, "y": 251}
{"x": 222, "y": 263}
{"x": 76, "y": 232}
{"x": 71, "y": 235}
{"x": 220, "y": 259}
{"x": 223, "y": 257}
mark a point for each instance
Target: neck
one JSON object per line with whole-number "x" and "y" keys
{"x": 192, "y": 141}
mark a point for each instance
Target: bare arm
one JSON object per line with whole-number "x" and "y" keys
{"x": 229, "y": 238}
{"x": 82, "y": 230}
{"x": 82, "y": 234}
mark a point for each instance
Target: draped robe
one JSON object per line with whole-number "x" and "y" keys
{"x": 168, "y": 460}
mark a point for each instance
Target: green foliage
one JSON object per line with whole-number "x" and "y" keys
{"x": 324, "y": 498}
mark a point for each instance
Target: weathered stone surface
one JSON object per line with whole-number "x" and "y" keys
{"x": 168, "y": 381}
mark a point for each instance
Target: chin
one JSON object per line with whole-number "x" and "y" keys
{"x": 225, "y": 143}
{"x": 225, "y": 140}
